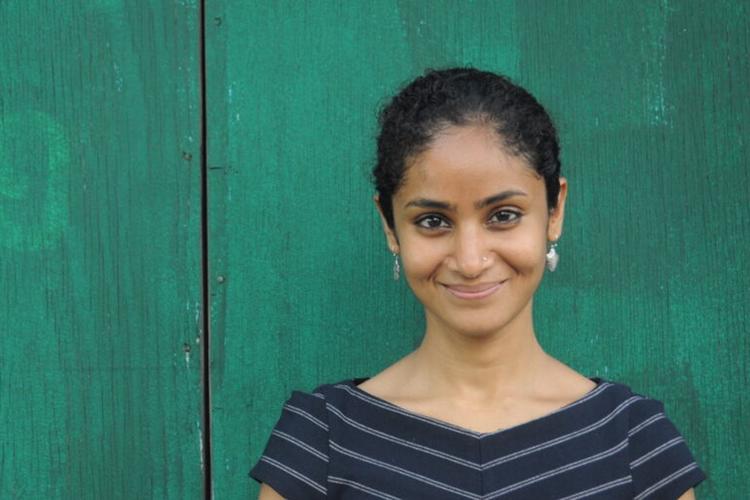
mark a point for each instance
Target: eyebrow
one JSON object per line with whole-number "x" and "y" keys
{"x": 496, "y": 198}
{"x": 426, "y": 203}
{"x": 441, "y": 205}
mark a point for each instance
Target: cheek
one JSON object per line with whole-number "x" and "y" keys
{"x": 525, "y": 253}
{"x": 421, "y": 258}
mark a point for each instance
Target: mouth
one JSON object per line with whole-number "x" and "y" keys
{"x": 474, "y": 292}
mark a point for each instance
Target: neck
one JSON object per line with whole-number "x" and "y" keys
{"x": 480, "y": 366}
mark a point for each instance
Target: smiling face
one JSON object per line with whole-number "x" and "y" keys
{"x": 471, "y": 224}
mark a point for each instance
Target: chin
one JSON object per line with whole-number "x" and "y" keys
{"x": 476, "y": 328}
{"x": 480, "y": 332}
{"x": 482, "y": 323}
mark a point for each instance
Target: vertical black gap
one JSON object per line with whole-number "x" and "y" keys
{"x": 205, "y": 297}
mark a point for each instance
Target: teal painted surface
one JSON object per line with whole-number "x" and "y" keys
{"x": 99, "y": 251}
{"x": 100, "y": 219}
{"x": 652, "y": 104}
{"x": 656, "y": 139}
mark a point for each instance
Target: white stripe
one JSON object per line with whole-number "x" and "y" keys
{"x": 656, "y": 451}
{"x": 590, "y": 395}
{"x": 361, "y": 487}
{"x": 666, "y": 480}
{"x": 632, "y": 432}
{"x": 404, "y": 472}
{"x": 565, "y": 437}
{"x": 600, "y": 488}
{"x": 573, "y": 465}
{"x": 303, "y": 413}
{"x": 453, "y": 428}
{"x": 294, "y": 474}
{"x": 301, "y": 444}
{"x": 403, "y": 442}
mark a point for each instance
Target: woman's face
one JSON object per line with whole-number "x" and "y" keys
{"x": 471, "y": 227}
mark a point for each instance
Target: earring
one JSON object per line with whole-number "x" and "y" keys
{"x": 552, "y": 258}
{"x": 396, "y": 267}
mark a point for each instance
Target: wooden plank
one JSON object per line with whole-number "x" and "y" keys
{"x": 651, "y": 99}
{"x": 307, "y": 295}
{"x": 99, "y": 238}
{"x": 652, "y": 290}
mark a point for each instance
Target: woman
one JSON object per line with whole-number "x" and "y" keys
{"x": 472, "y": 203}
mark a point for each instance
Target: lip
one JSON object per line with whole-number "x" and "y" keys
{"x": 474, "y": 292}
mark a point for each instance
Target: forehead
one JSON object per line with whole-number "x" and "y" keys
{"x": 468, "y": 161}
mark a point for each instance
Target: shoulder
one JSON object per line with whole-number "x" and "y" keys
{"x": 643, "y": 417}
{"x": 660, "y": 461}
{"x": 295, "y": 460}
{"x": 626, "y": 403}
{"x": 313, "y": 405}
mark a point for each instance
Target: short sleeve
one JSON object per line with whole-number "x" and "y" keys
{"x": 295, "y": 461}
{"x": 661, "y": 464}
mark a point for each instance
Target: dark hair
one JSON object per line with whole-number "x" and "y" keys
{"x": 456, "y": 97}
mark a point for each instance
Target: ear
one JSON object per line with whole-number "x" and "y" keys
{"x": 555, "y": 223}
{"x": 390, "y": 234}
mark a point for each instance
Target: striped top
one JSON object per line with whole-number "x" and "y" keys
{"x": 340, "y": 441}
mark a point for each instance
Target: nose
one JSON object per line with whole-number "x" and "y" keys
{"x": 470, "y": 253}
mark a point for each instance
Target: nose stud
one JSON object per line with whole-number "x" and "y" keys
{"x": 485, "y": 258}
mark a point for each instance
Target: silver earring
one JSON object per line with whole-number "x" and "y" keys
{"x": 396, "y": 267}
{"x": 552, "y": 258}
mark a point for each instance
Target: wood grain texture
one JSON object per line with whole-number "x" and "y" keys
{"x": 652, "y": 103}
{"x": 100, "y": 250}
{"x": 100, "y": 219}
{"x": 653, "y": 110}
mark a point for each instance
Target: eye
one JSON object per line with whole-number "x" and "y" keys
{"x": 432, "y": 221}
{"x": 505, "y": 217}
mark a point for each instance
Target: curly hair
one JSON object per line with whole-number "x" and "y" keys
{"x": 458, "y": 97}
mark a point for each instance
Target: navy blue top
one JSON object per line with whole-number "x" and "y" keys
{"x": 340, "y": 441}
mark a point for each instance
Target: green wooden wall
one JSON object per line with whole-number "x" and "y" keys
{"x": 99, "y": 251}
{"x": 100, "y": 219}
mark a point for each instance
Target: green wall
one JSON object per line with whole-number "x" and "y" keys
{"x": 99, "y": 251}
{"x": 100, "y": 219}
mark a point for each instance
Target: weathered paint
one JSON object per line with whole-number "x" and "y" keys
{"x": 99, "y": 250}
{"x": 99, "y": 357}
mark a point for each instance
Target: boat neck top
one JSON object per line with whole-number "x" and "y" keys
{"x": 342, "y": 442}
